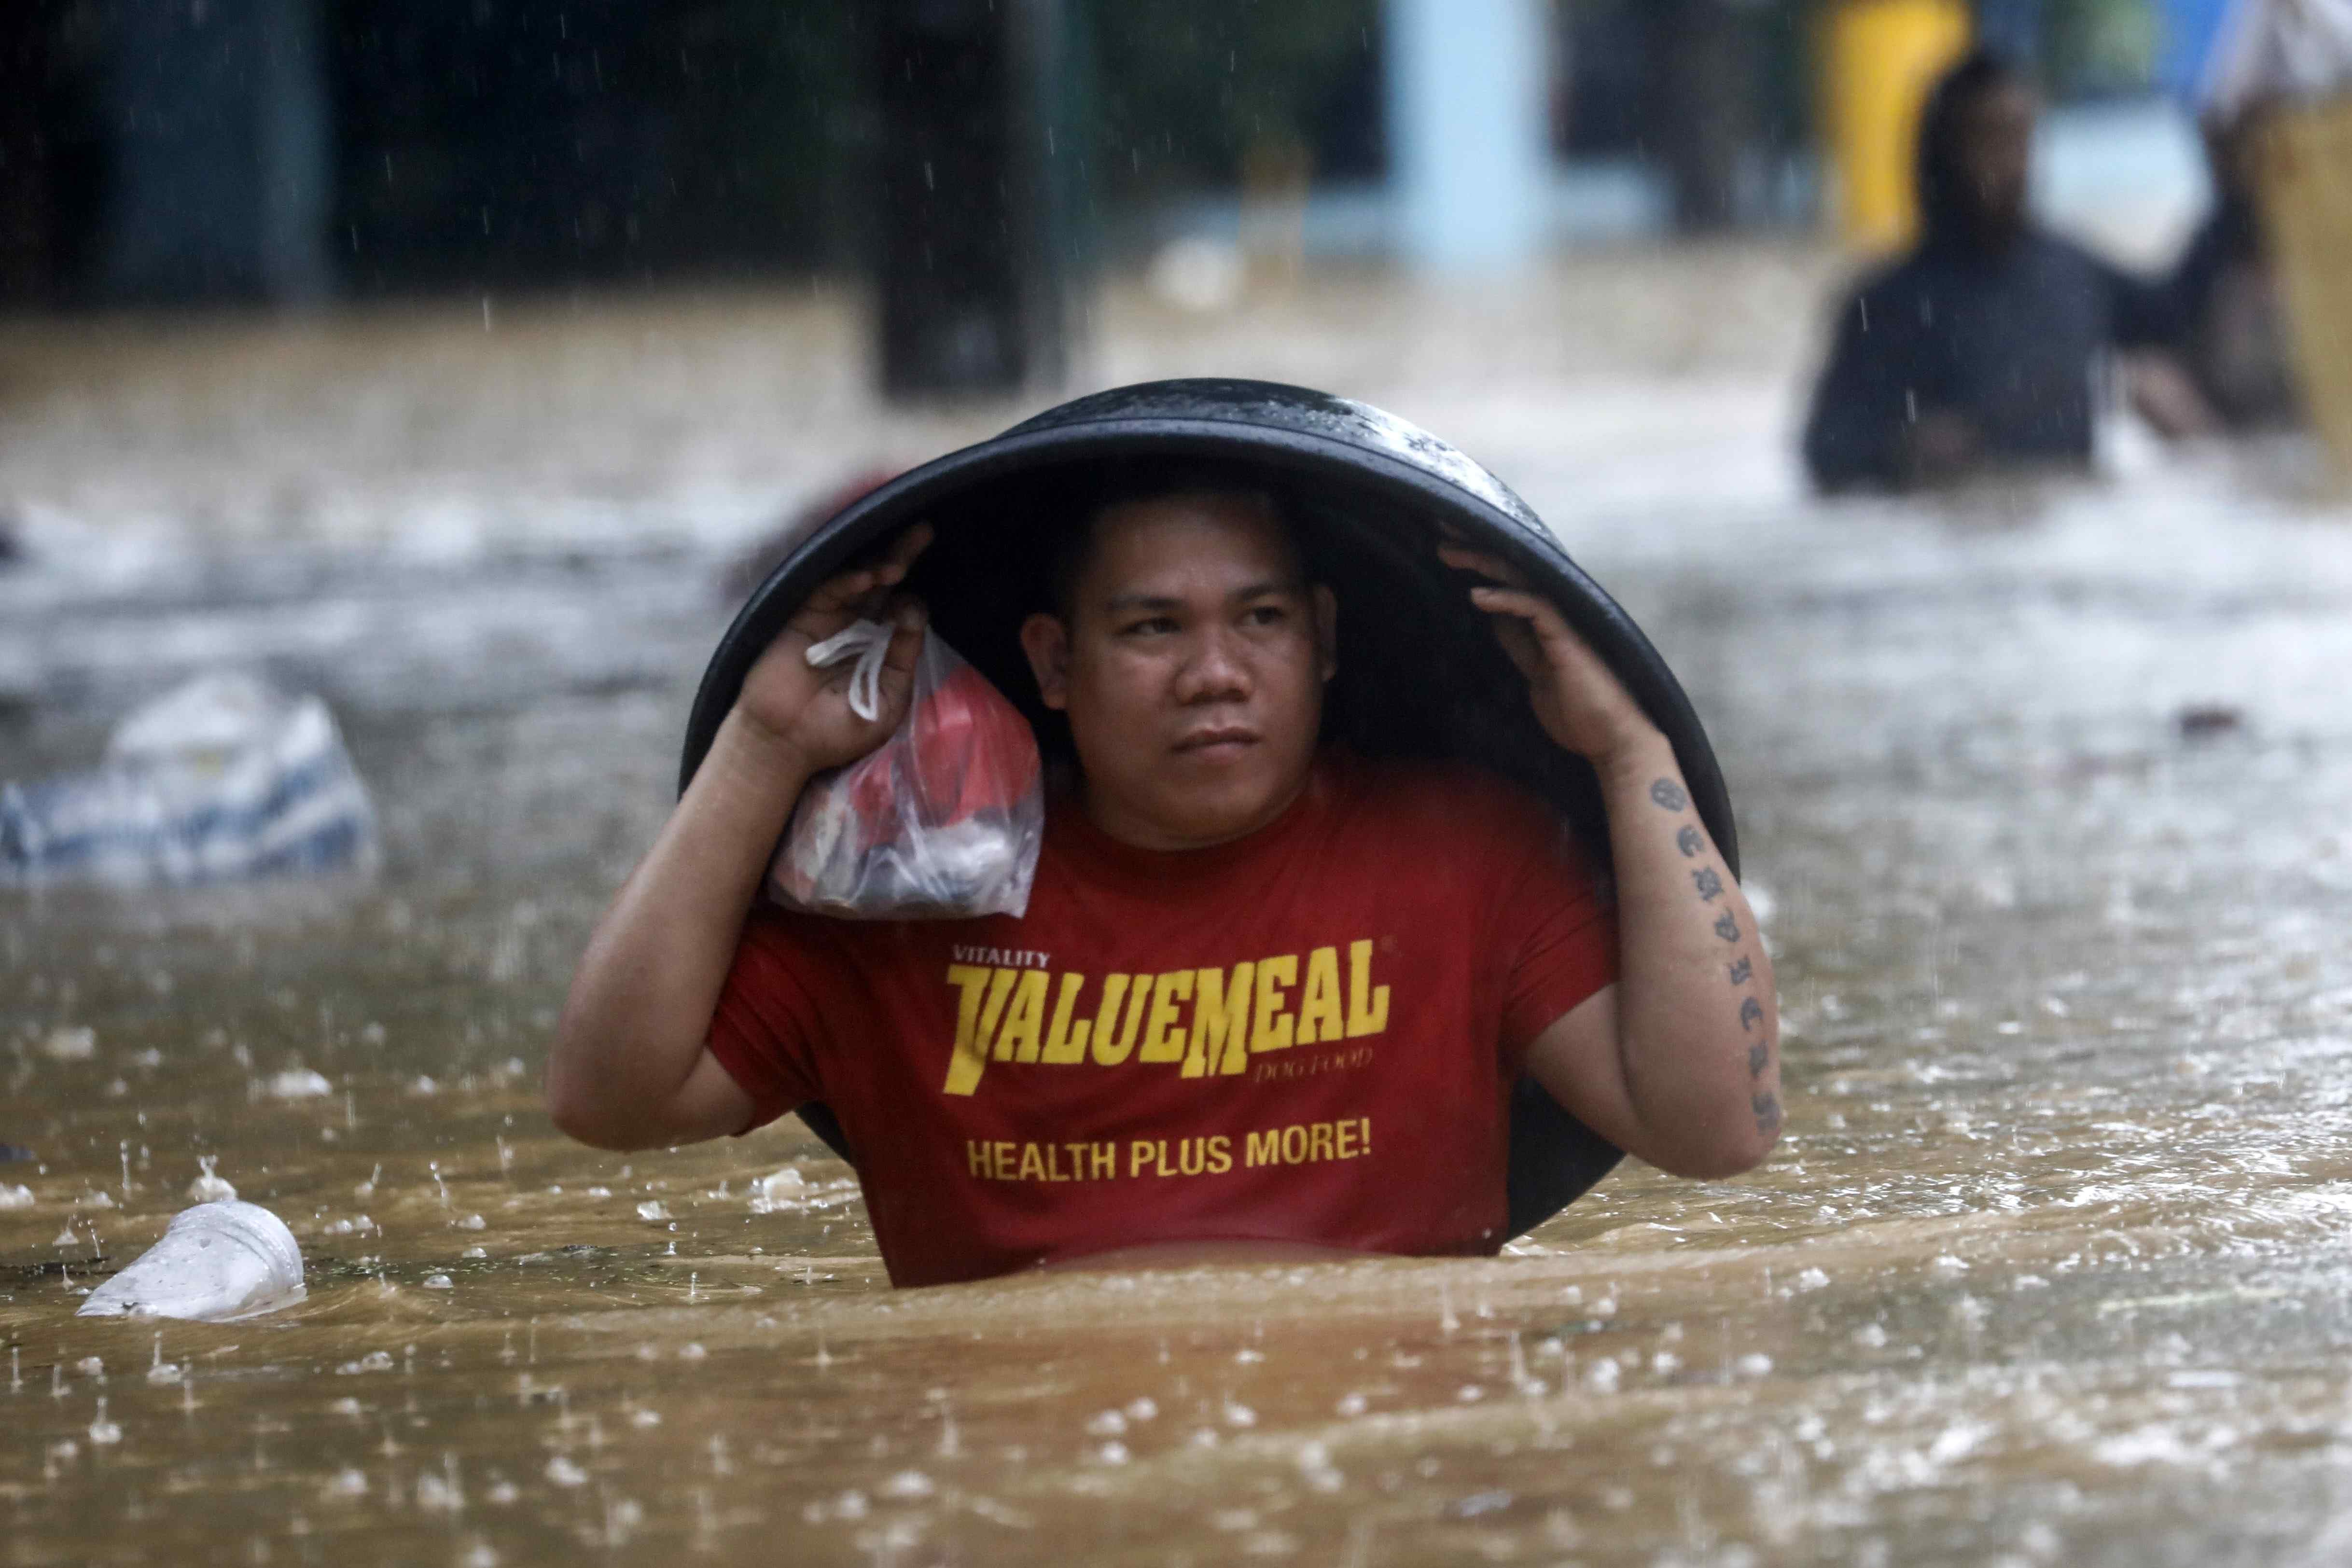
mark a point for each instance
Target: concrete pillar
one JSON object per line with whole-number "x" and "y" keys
{"x": 24, "y": 200}
{"x": 973, "y": 277}
{"x": 1468, "y": 87}
{"x": 219, "y": 114}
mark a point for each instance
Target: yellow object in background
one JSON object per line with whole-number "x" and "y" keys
{"x": 1879, "y": 60}
{"x": 2305, "y": 191}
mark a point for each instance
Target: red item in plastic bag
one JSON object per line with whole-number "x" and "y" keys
{"x": 942, "y": 821}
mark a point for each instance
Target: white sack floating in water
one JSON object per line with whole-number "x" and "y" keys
{"x": 217, "y": 1261}
{"x": 224, "y": 779}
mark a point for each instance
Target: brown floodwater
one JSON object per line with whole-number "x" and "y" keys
{"x": 2051, "y": 1265}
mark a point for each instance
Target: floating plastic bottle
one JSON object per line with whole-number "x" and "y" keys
{"x": 216, "y": 1262}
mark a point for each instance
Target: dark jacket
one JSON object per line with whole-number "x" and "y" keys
{"x": 2011, "y": 340}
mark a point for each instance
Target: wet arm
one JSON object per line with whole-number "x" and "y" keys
{"x": 1678, "y": 1063}
{"x": 629, "y": 1068}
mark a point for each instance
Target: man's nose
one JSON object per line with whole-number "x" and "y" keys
{"x": 1216, "y": 670}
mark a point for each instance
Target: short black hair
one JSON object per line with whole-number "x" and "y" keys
{"x": 1078, "y": 501}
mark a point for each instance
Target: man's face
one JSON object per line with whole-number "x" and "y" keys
{"x": 1191, "y": 667}
{"x": 1995, "y": 155}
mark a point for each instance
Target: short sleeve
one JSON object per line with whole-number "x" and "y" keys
{"x": 1557, "y": 924}
{"x": 769, "y": 1017}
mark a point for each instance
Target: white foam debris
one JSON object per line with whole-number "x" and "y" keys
{"x": 214, "y": 1262}
{"x": 1109, "y": 1424}
{"x": 908, "y": 1484}
{"x": 654, "y": 1209}
{"x": 438, "y": 1283}
{"x": 300, "y": 1084}
{"x": 16, "y": 1197}
{"x": 1315, "y": 1467}
{"x": 70, "y": 1044}
{"x": 564, "y": 1473}
{"x": 778, "y": 1189}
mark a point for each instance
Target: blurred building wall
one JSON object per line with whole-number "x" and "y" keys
{"x": 1468, "y": 89}
{"x": 26, "y": 262}
{"x": 219, "y": 184}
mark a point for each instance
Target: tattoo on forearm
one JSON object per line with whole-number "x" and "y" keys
{"x": 1751, "y": 1013}
{"x": 1690, "y": 841}
{"x": 1726, "y": 927}
{"x": 1709, "y": 884}
{"x": 1760, "y": 1057}
{"x": 1743, "y": 971}
{"x": 1767, "y": 1112}
{"x": 1669, "y": 794}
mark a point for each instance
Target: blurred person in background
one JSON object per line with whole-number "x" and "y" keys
{"x": 2235, "y": 338}
{"x": 1982, "y": 347}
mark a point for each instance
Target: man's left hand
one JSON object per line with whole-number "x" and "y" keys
{"x": 1577, "y": 699}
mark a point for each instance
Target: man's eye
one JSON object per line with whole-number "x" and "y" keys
{"x": 1150, "y": 626}
{"x": 1265, "y": 615}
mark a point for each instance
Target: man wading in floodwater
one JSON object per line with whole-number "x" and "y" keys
{"x": 1268, "y": 999}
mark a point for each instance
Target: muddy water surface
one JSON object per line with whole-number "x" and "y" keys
{"x": 2051, "y": 1267}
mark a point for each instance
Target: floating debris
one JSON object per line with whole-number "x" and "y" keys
{"x": 218, "y": 1261}
{"x": 70, "y": 1044}
{"x": 299, "y": 1084}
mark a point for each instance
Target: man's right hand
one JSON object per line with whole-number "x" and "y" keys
{"x": 806, "y": 712}
{"x": 629, "y": 1068}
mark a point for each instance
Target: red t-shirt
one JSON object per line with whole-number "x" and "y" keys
{"x": 1310, "y": 1034}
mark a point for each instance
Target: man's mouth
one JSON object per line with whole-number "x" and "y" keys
{"x": 1220, "y": 741}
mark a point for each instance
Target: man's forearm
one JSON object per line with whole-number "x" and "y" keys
{"x": 1698, "y": 1021}
{"x": 640, "y": 1005}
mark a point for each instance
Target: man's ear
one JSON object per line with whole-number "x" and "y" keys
{"x": 1048, "y": 643}
{"x": 1327, "y": 628}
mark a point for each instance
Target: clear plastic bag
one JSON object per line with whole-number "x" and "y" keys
{"x": 941, "y": 821}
